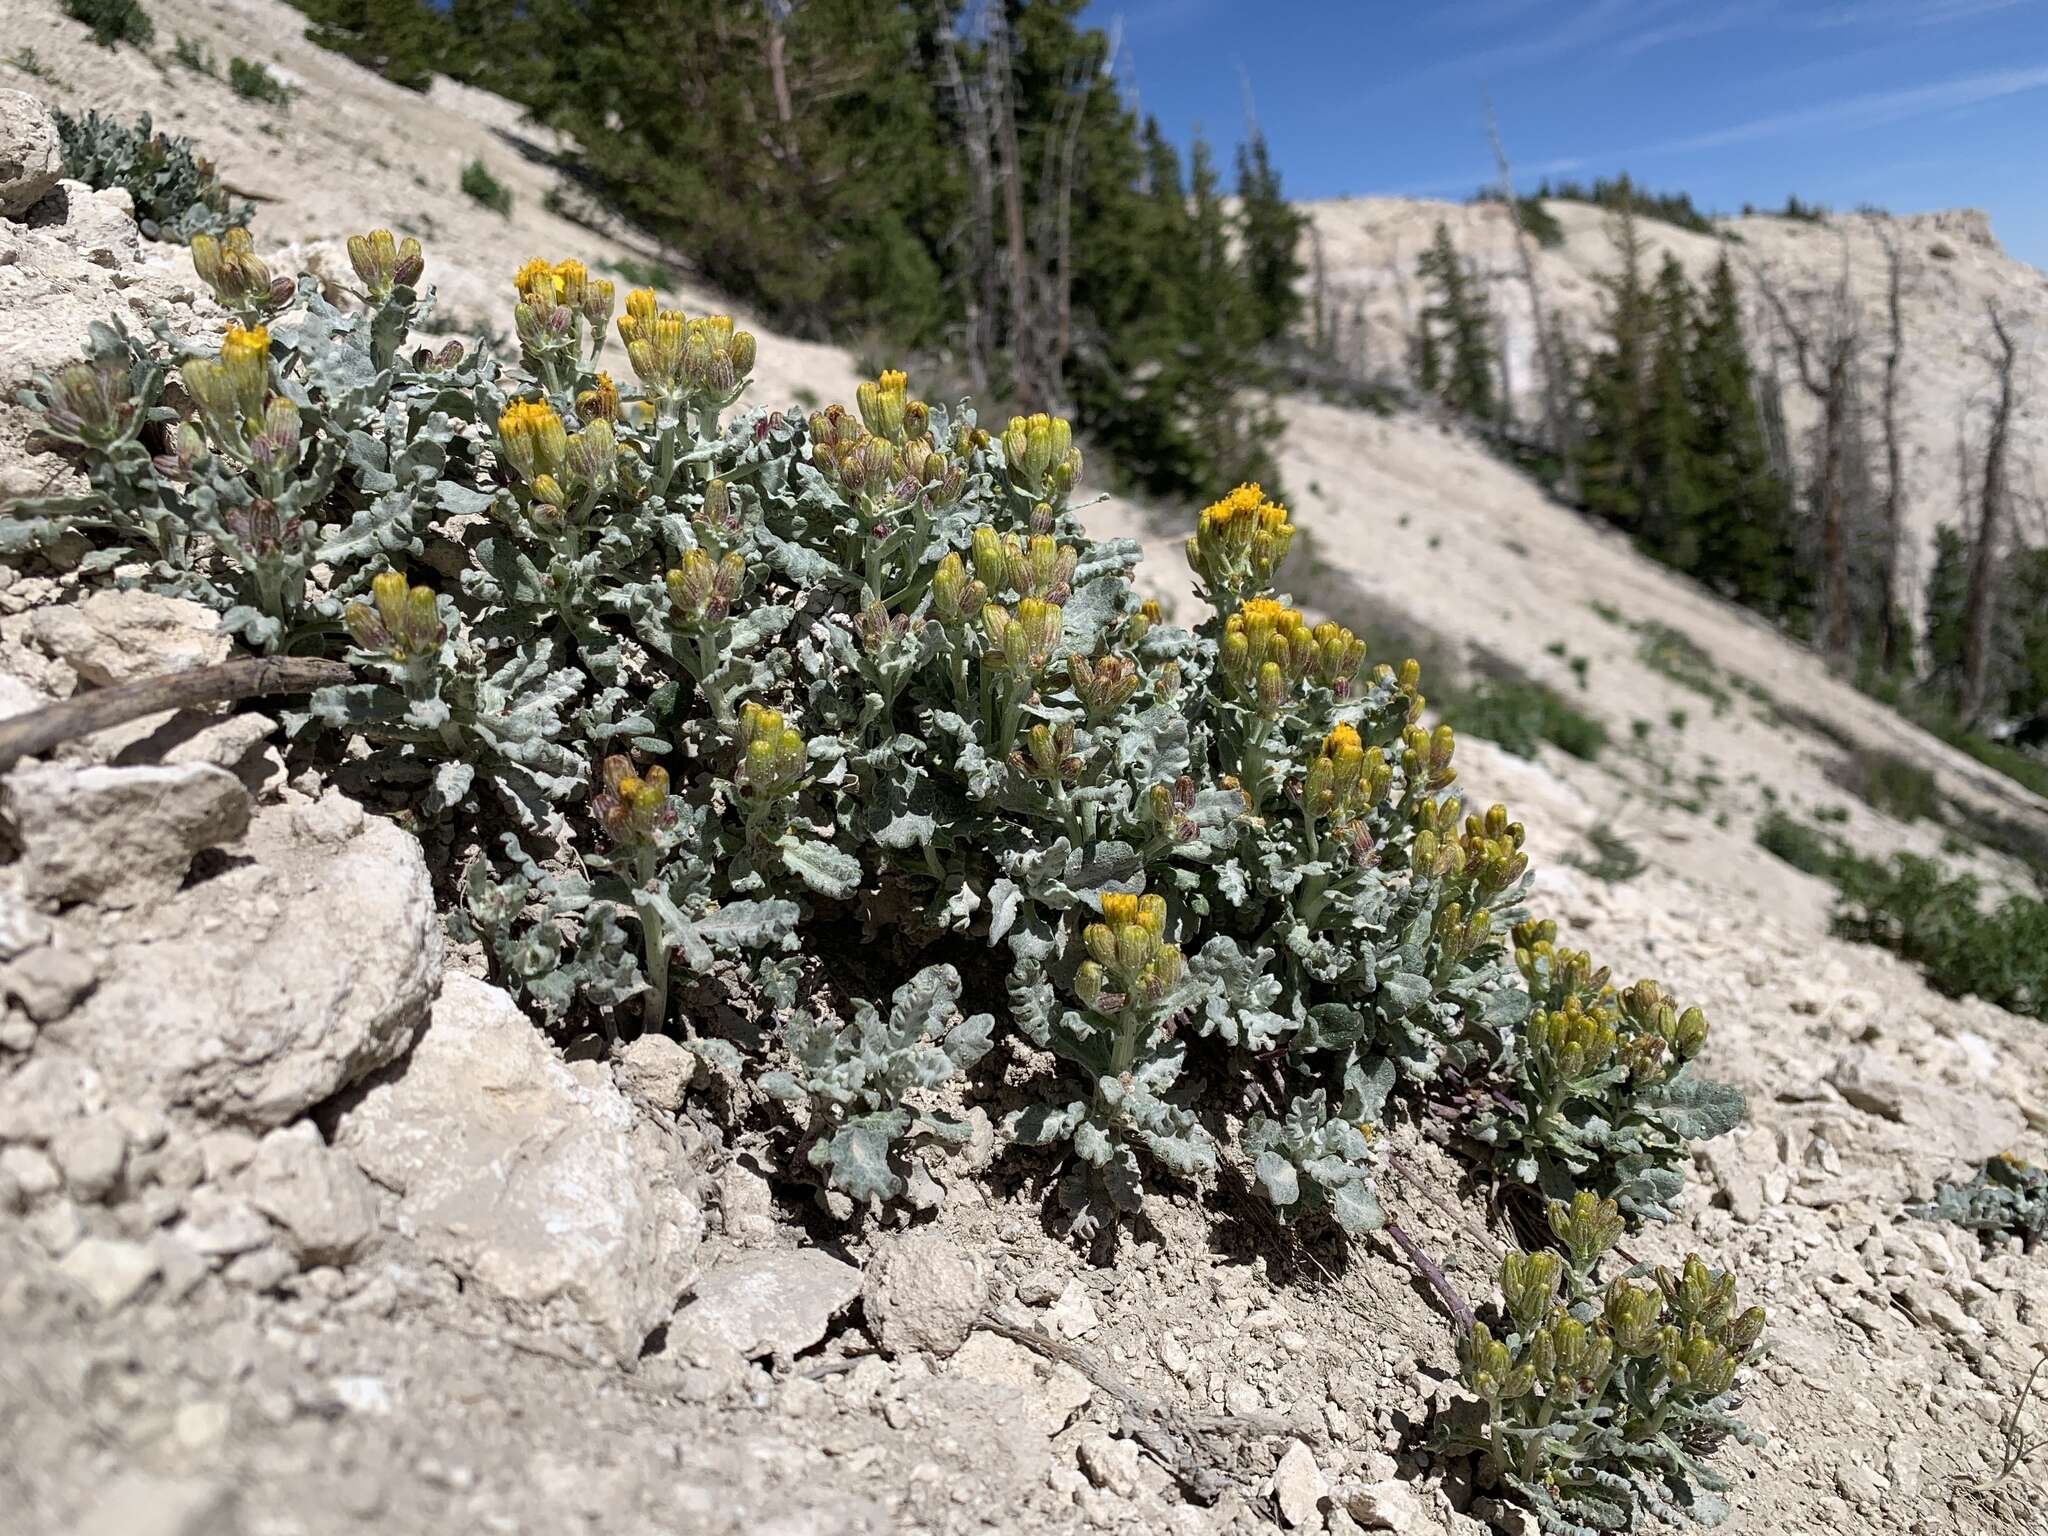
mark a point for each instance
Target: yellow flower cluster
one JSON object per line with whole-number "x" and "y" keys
{"x": 1039, "y": 566}
{"x": 1344, "y": 780}
{"x": 702, "y": 590}
{"x": 886, "y": 448}
{"x": 1129, "y": 961}
{"x": 956, "y": 598}
{"x": 632, "y": 807}
{"x": 772, "y": 753}
{"x": 1039, "y": 452}
{"x": 383, "y": 262}
{"x": 1239, "y": 542}
{"x": 230, "y": 390}
{"x": 1021, "y": 641}
{"x": 543, "y": 286}
{"x": 554, "y": 463}
{"x": 704, "y": 360}
{"x": 239, "y": 278}
{"x": 403, "y": 625}
{"x": 1267, "y": 650}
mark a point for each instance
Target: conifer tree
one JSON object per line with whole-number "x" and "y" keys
{"x": 1748, "y": 540}
{"x": 1948, "y": 586}
{"x": 1455, "y": 320}
{"x": 1672, "y": 507}
{"x": 1271, "y": 230}
{"x": 1614, "y": 386}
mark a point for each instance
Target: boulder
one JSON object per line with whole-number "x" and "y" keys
{"x": 120, "y": 636}
{"x": 924, "y": 1292}
{"x": 31, "y": 155}
{"x": 252, "y": 996}
{"x": 767, "y": 1304}
{"x": 529, "y": 1178}
{"x": 1968, "y": 1126}
{"x": 318, "y": 1195}
{"x": 119, "y": 837}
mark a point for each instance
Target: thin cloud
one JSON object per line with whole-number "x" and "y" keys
{"x": 1911, "y": 13}
{"x": 1865, "y": 111}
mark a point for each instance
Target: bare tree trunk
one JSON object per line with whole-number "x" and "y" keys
{"x": 1825, "y": 371}
{"x": 778, "y": 71}
{"x": 1981, "y": 602}
{"x": 1891, "y": 640}
{"x": 1558, "y": 422}
{"x": 1010, "y": 171}
{"x": 978, "y": 300}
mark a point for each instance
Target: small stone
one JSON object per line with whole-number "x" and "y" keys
{"x": 48, "y": 982}
{"x": 362, "y": 1394}
{"x": 219, "y": 1226}
{"x": 318, "y": 1195}
{"x": 122, "y": 635}
{"x": 110, "y": 1270}
{"x": 1388, "y": 1505}
{"x": 1110, "y": 1464}
{"x": 1040, "y": 1288}
{"x": 31, "y": 1173}
{"x": 31, "y": 154}
{"x": 225, "y": 1153}
{"x": 655, "y": 1069}
{"x": 200, "y": 1426}
{"x": 1049, "y": 1393}
{"x": 746, "y": 1205}
{"x": 57, "y": 1227}
{"x": 182, "y": 1267}
{"x": 90, "y": 1154}
{"x": 262, "y": 1269}
{"x": 17, "y": 1034}
{"x": 119, "y": 837}
{"x": 1243, "y": 1399}
{"x": 924, "y": 1292}
{"x": 1299, "y": 1487}
{"x": 140, "y": 1505}
{"x": 767, "y": 1304}
{"x": 1858, "y": 1484}
{"x": 1074, "y": 1316}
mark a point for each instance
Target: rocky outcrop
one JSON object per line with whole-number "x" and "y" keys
{"x": 529, "y": 1176}
{"x": 31, "y": 158}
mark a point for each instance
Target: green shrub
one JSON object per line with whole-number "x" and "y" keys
{"x": 114, "y": 22}
{"x": 1682, "y": 659}
{"x": 254, "y": 82}
{"x": 191, "y": 55}
{"x": 690, "y": 698}
{"x": 1613, "y": 860}
{"x": 2007, "y": 1198}
{"x": 177, "y": 195}
{"x": 1912, "y": 908}
{"x": 1600, "y": 1402}
{"x": 481, "y": 186}
{"x": 1516, "y": 714}
{"x": 1892, "y": 785}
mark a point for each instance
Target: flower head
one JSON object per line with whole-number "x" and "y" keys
{"x": 404, "y": 624}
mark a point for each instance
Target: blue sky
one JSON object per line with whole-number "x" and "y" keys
{"x": 1909, "y": 104}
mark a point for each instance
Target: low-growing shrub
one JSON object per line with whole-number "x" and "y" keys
{"x": 1516, "y": 714}
{"x": 177, "y": 195}
{"x": 1598, "y": 1403}
{"x": 114, "y": 22}
{"x": 192, "y": 55}
{"x": 686, "y": 702}
{"x": 1681, "y": 658}
{"x": 481, "y": 186}
{"x": 253, "y": 81}
{"x": 1613, "y": 859}
{"x": 1891, "y": 784}
{"x": 2007, "y": 1198}
{"x": 1911, "y": 907}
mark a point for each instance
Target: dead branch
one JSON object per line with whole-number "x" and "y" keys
{"x": 1558, "y": 422}
{"x": 1981, "y": 602}
{"x": 34, "y": 733}
{"x": 1184, "y": 1442}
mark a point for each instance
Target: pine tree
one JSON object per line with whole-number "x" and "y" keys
{"x": 1455, "y": 320}
{"x": 405, "y": 41}
{"x": 1270, "y": 228}
{"x": 1748, "y": 543}
{"x": 1672, "y": 505}
{"x": 1948, "y": 585}
{"x": 1614, "y": 387}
